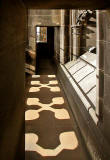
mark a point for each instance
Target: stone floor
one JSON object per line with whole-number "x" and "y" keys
{"x": 50, "y": 131}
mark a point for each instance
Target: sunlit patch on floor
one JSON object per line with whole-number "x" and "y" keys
{"x": 53, "y": 136}
{"x": 51, "y": 76}
{"x": 55, "y": 89}
{"x": 53, "y": 82}
{"x": 32, "y": 101}
{"x": 36, "y": 101}
{"x": 59, "y": 113}
{"x": 68, "y": 141}
{"x": 31, "y": 115}
{"x": 35, "y": 82}
{"x": 45, "y": 84}
{"x": 37, "y": 89}
{"x": 34, "y": 89}
{"x": 35, "y": 76}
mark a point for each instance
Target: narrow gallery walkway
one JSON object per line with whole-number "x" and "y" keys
{"x": 50, "y": 130}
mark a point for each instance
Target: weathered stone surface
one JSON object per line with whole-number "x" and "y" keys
{"x": 12, "y": 47}
{"x": 103, "y": 72}
{"x": 100, "y": 55}
{"x": 88, "y": 35}
{"x": 90, "y": 58}
{"x": 44, "y": 20}
{"x": 85, "y": 75}
{"x": 72, "y": 4}
{"x": 64, "y": 37}
{"x": 40, "y": 18}
{"x": 44, "y": 17}
{"x": 104, "y": 27}
{"x": 57, "y": 43}
{"x": 43, "y": 12}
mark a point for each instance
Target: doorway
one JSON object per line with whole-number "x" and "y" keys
{"x": 44, "y": 50}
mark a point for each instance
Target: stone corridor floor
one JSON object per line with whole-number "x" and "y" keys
{"x": 50, "y": 131}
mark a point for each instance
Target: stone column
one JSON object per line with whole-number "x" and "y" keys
{"x": 103, "y": 62}
{"x": 100, "y": 68}
{"x": 31, "y": 48}
{"x": 103, "y": 71}
{"x": 13, "y": 21}
{"x": 70, "y": 35}
{"x": 76, "y": 41}
{"x": 76, "y": 31}
{"x": 57, "y": 44}
{"x": 64, "y": 36}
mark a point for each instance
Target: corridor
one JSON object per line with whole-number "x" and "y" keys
{"x": 51, "y": 132}
{"x": 55, "y": 80}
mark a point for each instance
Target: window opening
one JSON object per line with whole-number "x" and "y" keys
{"x": 41, "y": 34}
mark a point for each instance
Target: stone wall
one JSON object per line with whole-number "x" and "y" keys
{"x": 61, "y": 49}
{"x": 57, "y": 44}
{"x": 75, "y": 36}
{"x": 88, "y": 35}
{"x": 64, "y": 36}
{"x": 96, "y": 135}
{"x": 59, "y": 19}
{"x": 43, "y": 17}
{"x": 39, "y": 18}
{"x": 82, "y": 4}
{"x": 12, "y": 46}
{"x": 82, "y": 32}
{"x": 103, "y": 72}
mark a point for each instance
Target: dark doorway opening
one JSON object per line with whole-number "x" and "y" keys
{"x": 45, "y": 53}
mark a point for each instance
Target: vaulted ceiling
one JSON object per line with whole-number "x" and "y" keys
{"x": 67, "y": 4}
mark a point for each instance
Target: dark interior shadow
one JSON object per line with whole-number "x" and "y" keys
{"x": 89, "y": 31}
{"x": 45, "y": 53}
{"x": 92, "y": 23}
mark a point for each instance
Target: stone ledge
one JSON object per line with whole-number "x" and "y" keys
{"x": 87, "y": 105}
{"x": 93, "y": 137}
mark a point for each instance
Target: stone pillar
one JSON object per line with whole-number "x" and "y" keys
{"x": 70, "y": 35}
{"x": 57, "y": 44}
{"x": 76, "y": 41}
{"x": 76, "y": 34}
{"x": 31, "y": 48}
{"x": 103, "y": 71}
{"x": 13, "y": 21}
{"x": 64, "y": 36}
{"x": 100, "y": 68}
